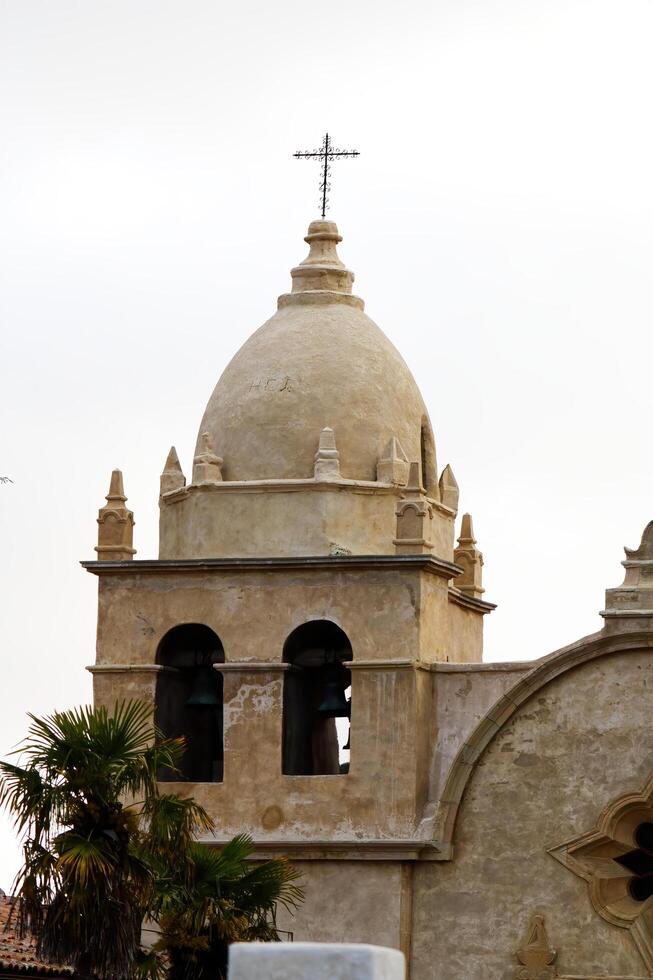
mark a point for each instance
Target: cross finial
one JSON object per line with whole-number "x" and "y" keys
{"x": 326, "y": 153}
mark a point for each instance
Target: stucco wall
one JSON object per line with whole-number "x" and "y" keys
{"x": 253, "y": 612}
{"x": 579, "y": 742}
{"x": 348, "y": 901}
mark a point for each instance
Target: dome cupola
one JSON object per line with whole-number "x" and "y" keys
{"x": 315, "y": 441}
{"x": 318, "y": 362}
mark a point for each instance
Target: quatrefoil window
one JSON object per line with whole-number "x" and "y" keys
{"x": 616, "y": 860}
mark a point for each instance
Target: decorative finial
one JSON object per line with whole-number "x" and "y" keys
{"x": 115, "y": 524}
{"x": 321, "y": 274}
{"x": 634, "y": 597}
{"x": 414, "y": 516}
{"x": 449, "y": 492}
{"x": 392, "y": 467}
{"x": 172, "y": 477}
{"x": 206, "y": 465}
{"x": 470, "y": 560}
{"x": 327, "y": 457}
{"x": 325, "y": 154}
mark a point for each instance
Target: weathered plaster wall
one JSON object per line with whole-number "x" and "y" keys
{"x": 348, "y": 901}
{"x": 253, "y": 612}
{"x": 448, "y": 632}
{"x": 462, "y": 694}
{"x": 223, "y": 519}
{"x": 579, "y": 742}
{"x": 241, "y": 520}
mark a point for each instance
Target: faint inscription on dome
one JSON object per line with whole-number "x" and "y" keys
{"x": 283, "y": 383}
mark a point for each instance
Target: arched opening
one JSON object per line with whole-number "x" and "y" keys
{"x": 315, "y": 705}
{"x": 429, "y": 466}
{"x": 189, "y": 701}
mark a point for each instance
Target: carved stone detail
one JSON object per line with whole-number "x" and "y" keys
{"x": 536, "y": 956}
{"x": 593, "y": 856}
{"x": 206, "y": 465}
{"x": 392, "y": 467}
{"x": 172, "y": 477}
{"x": 470, "y": 560}
{"x": 414, "y": 516}
{"x": 327, "y": 457}
{"x": 449, "y": 493}
{"x": 115, "y": 524}
{"x": 634, "y": 598}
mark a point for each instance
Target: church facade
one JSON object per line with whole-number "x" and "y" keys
{"x": 314, "y": 626}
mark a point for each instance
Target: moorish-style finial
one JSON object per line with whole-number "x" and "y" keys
{"x": 172, "y": 477}
{"x": 327, "y": 457}
{"x": 392, "y": 467}
{"x": 470, "y": 560}
{"x": 326, "y": 154}
{"x": 414, "y": 517}
{"x": 449, "y": 492}
{"x": 207, "y": 467}
{"x": 115, "y": 524}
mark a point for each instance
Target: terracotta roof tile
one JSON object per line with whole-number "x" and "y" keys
{"x": 19, "y": 955}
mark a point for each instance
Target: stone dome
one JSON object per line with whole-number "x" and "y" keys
{"x": 318, "y": 362}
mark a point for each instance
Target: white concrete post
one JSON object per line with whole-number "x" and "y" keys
{"x": 314, "y": 961}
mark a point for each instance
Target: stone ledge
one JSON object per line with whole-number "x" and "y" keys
{"x": 469, "y": 602}
{"x": 153, "y": 566}
{"x": 283, "y": 486}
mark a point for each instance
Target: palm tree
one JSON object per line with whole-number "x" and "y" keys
{"x": 85, "y": 886}
{"x": 103, "y": 850}
{"x": 216, "y": 897}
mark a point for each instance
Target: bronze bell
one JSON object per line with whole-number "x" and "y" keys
{"x": 334, "y": 703}
{"x": 204, "y": 693}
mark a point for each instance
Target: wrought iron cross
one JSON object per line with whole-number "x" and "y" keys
{"x": 326, "y": 153}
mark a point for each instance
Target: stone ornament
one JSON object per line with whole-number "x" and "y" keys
{"x": 172, "y": 477}
{"x": 115, "y": 524}
{"x": 470, "y": 560}
{"x": 449, "y": 492}
{"x": 414, "y": 516}
{"x": 601, "y": 857}
{"x": 322, "y": 269}
{"x": 634, "y": 598}
{"x": 536, "y": 956}
{"x": 393, "y": 465}
{"x": 327, "y": 457}
{"x": 206, "y": 465}
{"x": 314, "y": 961}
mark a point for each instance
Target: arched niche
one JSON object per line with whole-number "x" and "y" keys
{"x": 428, "y": 460}
{"x": 189, "y": 701}
{"x": 314, "y": 699}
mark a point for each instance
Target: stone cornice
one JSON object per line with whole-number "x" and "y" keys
{"x": 277, "y": 666}
{"x": 364, "y": 849}
{"x": 427, "y": 563}
{"x": 283, "y": 486}
{"x": 469, "y": 602}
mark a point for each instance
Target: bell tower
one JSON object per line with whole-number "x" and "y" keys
{"x": 304, "y": 595}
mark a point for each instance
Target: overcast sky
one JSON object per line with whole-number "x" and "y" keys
{"x": 498, "y": 220}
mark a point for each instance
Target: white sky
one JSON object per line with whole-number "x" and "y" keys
{"x": 499, "y": 221}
